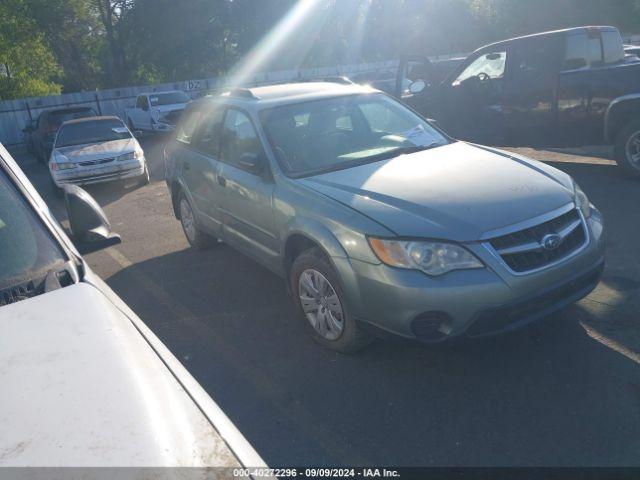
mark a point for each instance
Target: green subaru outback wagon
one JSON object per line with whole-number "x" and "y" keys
{"x": 379, "y": 222}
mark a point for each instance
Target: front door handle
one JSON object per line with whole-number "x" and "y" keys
{"x": 186, "y": 166}
{"x": 222, "y": 181}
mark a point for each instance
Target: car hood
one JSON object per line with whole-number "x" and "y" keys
{"x": 94, "y": 151}
{"x": 170, "y": 108}
{"x": 82, "y": 387}
{"x": 458, "y": 191}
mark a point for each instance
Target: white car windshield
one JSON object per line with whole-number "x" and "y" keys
{"x": 169, "y": 98}
{"x": 94, "y": 131}
{"x": 27, "y": 250}
{"x": 332, "y": 134}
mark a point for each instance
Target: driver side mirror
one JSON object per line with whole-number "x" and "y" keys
{"x": 251, "y": 162}
{"x": 90, "y": 228}
{"x": 417, "y": 87}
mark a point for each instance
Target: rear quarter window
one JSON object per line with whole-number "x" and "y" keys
{"x": 612, "y": 46}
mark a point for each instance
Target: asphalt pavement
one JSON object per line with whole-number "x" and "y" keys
{"x": 563, "y": 392}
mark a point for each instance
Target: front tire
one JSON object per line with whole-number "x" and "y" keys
{"x": 627, "y": 149}
{"x": 57, "y": 191}
{"x": 144, "y": 178}
{"x": 320, "y": 298}
{"x": 196, "y": 237}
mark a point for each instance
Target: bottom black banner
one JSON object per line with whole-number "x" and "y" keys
{"x": 393, "y": 473}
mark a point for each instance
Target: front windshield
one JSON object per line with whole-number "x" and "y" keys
{"x": 27, "y": 250}
{"x": 57, "y": 118}
{"x": 95, "y": 131}
{"x": 168, "y": 98}
{"x": 342, "y": 132}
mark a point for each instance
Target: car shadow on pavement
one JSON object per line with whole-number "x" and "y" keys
{"x": 549, "y": 394}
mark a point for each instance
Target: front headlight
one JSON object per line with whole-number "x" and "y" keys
{"x": 60, "y": 162}
{"x": 581, "y": 200}
{"x": 130, "y": 156}
{"x": 62, "y": 166}
{"x": 433, "y": 258}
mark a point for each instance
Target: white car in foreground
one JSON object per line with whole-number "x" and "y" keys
{"x": 96, "y": 149}
{"x": 84, "y": 382}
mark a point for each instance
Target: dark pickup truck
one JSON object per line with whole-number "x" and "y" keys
{"x": 562, "y": 88}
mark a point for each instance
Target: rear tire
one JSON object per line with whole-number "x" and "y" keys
{"x": 325, "y": 315}
{"x": 627, "y": 149}
{"x": 195, "y": 236}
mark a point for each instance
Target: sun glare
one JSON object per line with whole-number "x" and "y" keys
{"x": 297, "y": 28}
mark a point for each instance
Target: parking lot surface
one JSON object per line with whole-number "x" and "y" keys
{"x": 565, "y": 391}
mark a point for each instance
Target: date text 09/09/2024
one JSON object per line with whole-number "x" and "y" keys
{"x": 316, "y": 472}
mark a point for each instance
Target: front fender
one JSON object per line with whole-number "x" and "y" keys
{"x": 620, "y": 111}
{"x": 176, "y": 185}
{"x": 336, "y": 253}
{"x": 316, "y": 231}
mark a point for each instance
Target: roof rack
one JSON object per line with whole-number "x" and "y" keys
{"x": 239, "y": 92}
{"x": 339, "y": 79}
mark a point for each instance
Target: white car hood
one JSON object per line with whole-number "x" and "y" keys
{"x": 169, "y": 108}
{"x": 82, "y": 387}
{"x": 94, "y": 151}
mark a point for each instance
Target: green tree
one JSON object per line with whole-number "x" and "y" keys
{"x": 75, "y": 34}
{"x": 28, "y": 66}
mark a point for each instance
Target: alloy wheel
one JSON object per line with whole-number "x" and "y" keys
{"x": 187, "y": 220}
{"x": 321, "y": 304}
{"x": 632, "y": 150}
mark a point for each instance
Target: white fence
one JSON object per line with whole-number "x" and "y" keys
{"x": 17, "y": 114}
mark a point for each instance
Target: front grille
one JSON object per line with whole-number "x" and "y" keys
{"x": 88, "y": 163}
{"x": 523, "y": 251}
{"x": 508, "y": 316}
{"x": 172, "y": 117}
{"x": 103, "y": 176}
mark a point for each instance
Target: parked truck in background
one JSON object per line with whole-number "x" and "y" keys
{"x": 156, "y": 112}
{"x": 563, "y": 88}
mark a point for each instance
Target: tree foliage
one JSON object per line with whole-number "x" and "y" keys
{"x": 27, "y": 65}
{"x": 90, "y": 44}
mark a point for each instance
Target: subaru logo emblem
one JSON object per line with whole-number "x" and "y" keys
{"x": 551, "y": 241}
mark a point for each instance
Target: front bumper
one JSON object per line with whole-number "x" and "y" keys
{"x": 100, "y": 173}
{"x": 479, "y": 302}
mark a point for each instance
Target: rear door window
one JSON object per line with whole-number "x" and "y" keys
{"x": 612, "y": 46}
{"x": 583, "y": 50}
{"x": 187, "y": 126}
{"x": 535, "y": 59}
{"x": 238, "y": 137}
{"x": 207, "y": 136}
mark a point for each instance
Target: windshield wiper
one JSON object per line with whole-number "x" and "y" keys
{"x": 24, "y": 289}
{"x": 416, "y": 148}
{"x": 396, "y": 152}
